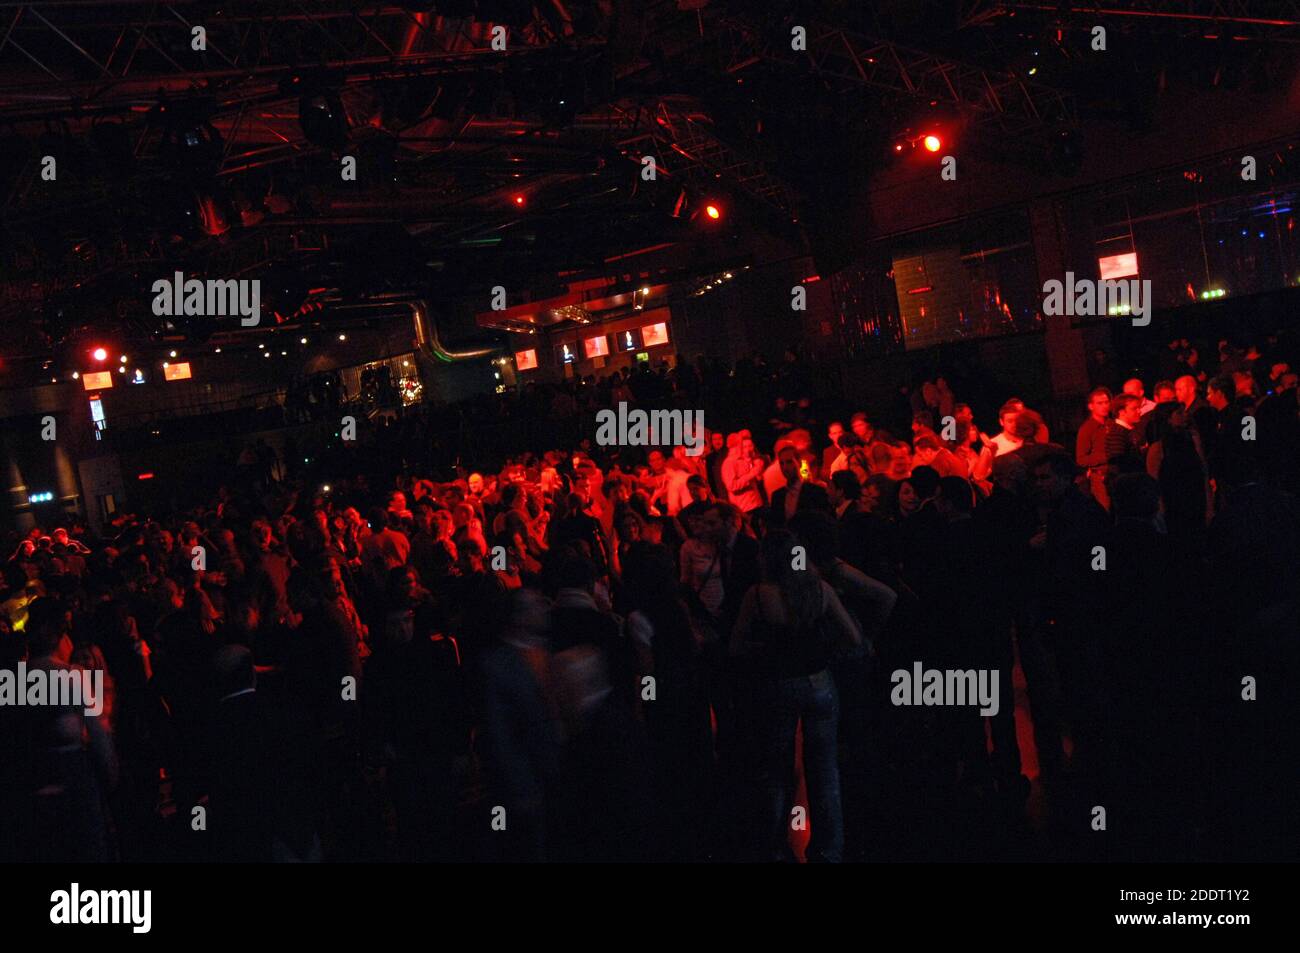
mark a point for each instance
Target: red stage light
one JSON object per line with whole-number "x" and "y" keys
{"x": 519, "y": 200}
{"x": 100, "y": 354}
{"x": 713, "y": 212}
{"x": 933, "y": 143}
{"x": 898, "y": 147}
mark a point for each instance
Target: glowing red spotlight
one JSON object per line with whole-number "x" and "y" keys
{"x": 932, "y": 144}
{"x": 898, "y": 147}
{"x": 713, "y": 212}
{"x": 99, "y": 354}
{"x": 519, "y": 201}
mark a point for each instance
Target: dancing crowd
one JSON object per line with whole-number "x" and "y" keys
{"x": 623, "y": 653}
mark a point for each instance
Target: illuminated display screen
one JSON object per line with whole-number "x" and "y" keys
{"x": 596, "y": 347}
{"x": 177, "y": 372}
{"x": 1119, "y": 266}
{"x": 629, "y": 340}
{"x": 97, "y": 380}
{"x": 525, "y": 360}
{"x": 655, "y": 334}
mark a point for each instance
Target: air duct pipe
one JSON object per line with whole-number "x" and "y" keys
{"x": 429, "y": 343}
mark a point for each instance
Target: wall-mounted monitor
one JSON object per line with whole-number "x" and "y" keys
{"x": 653, "y": 335}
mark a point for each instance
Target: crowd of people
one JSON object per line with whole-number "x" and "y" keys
{"x": 614, "y": 653}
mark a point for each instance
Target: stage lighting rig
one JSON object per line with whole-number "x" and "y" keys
{"x": 189, "y": 140}
{"x": 323, "y": 121}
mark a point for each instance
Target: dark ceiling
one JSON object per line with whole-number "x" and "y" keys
{"x": 521, "y": 167}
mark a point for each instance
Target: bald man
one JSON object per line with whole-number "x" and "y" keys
{"x": 1185, "y": 392}
{"x": 1133, "y": 387}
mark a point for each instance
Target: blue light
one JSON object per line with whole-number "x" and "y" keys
{"x": 1261, "y": 234}
{"x": 45, "y": 497}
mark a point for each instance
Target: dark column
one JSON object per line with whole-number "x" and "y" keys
{"x": 1066, "y": 356}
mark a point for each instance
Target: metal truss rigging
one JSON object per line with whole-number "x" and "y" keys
{"x": 846, "y": 60}
{"x": 1251, "y": 19}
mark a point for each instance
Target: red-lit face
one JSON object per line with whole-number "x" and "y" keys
{"x": 900, "y": 463}
{"x": 790, "y": 467}
{"x": 712, "y": 526}
{"x": 424, "y": 519}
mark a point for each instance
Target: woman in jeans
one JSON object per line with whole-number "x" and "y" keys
{"x": 790, "y": 623}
